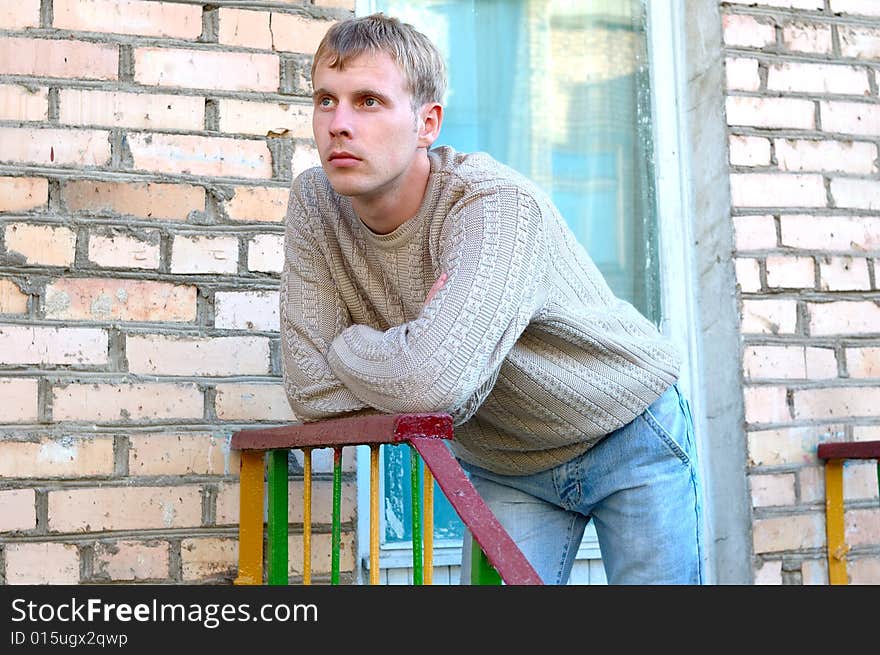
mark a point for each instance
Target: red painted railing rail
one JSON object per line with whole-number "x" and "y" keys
{"x": 424, "y": 432}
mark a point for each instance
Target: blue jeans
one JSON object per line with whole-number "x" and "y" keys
{"x": 639, "y": 485}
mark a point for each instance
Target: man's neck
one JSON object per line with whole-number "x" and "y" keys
{"x": 388, "y": 209}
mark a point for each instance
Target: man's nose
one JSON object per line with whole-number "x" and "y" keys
{"x": 341, "y": 124}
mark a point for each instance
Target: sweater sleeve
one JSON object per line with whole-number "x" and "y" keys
{"x": 492, "y": 246}
{"x": 311, "y": 315}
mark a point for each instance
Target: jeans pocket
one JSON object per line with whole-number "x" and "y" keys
{"x": 671, "y": 427}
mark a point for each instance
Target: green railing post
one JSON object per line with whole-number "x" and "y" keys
{"x": 416, "y": 516}
{"x": 277, "y": 520}
{"x": 336, "y": 540}
{"x": 482, "y": 572}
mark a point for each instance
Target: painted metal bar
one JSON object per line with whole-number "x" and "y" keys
{"x": 501, "y": 551}
{"x": 429, "y": 525}
{"x": 278, "y": 520}
{"x": 307, "y": 516}
{"x": 849, "y": 450}
{"x": 482, "y": 572}
{"x": 374, "y": 514}
{"x": 337, "y": 513}
{"x": 834, "y": 526}
{"x": 250, "y": 524}
{"x": 416, "y": 493}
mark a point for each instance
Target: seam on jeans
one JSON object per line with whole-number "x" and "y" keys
{"x": 560, "y": 567}
{"x": 664, "y": 435}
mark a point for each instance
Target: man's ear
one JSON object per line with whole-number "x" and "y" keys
{"x": 430, "y": 120}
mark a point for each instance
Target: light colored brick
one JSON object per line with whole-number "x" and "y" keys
{"x": 831, "y": 233}
{"x": 821, "y": 363}
{"x": 132, "y": 560}
{"x": 866, "y": 432}
{"x": 19, "y": 15}
{"x": 859, "y": 42}
{"x": 781, "y": 533}
{"x": 209, "y": 558}
{"x": 252, "y": 402}
{"x": 17, "y": 510}
{"x": 33, "y": 344}
{"x": 790, "y": 272}
{"x": 836, "y": 402}
{"x": 741, "y": 74}
{"x": 246, "y": 310}
{"x": 23, "y": 193}
{"x": 41, "y": 564}
{"x": 769, "y": 316}
{"x": 120, "y": 300}
{"x": 129, "y": 17}
{"x": 206, "y": 69}
{"x": 321, "y": 553}
{"x": 186, "y": 453}
{"x": 12, "y": 300}
{"x": 172, "y": 355}
{"x": 772, "y": 490}
{"x": 860, "y": 480}
{"x": 843, "y": 317}
{"x": 863, "y": 362}
{"x": 246, "y": 117}
{"x": 20, "y": 103}
{"x": 817, "y": 78}
{"x": 322, "y": 502}
{"x": 766, "y": 404}
{"x": 57, "y": 457}
{"x": 791, "y": 113}
{"x": 747, "y": 31}
{"x": 807, "y": 37}
{"x": 104, "y": 402}
{"x": 812, "y": 484}
{"x": 58, "y": 58}
{"x": 92, "y": 509}
{"x": 749, "y": 151}
{"x": 304, "y": 157}
{"x": 266, "y": 253}
{"x": 204, "y": 254}
{"x": 769, "y": 573}
{"x": 748, "y": 275}
{"x": 19, "y": 400}
{"x": 55, "y": 147}
{"x": 248, "y": 29}
{"x": 862, "y": 527}
{"x": 120, "y": 109}
{"x": 143, "y": 200}
{"x": 817, "y": 5}
{"x": 754, "y": 232}
{"x": 856, "y": 194}
{"x": 47, "y": 245}
{"x": 843, "y": 273}
{"x": 112, "y": 248}
{"x": 849, "y": 117}
{"x": 861, "y": 7}
{"x": 201, "y": 155}
{"x": 863, "y": 571}
{"x": 774, "y": 362}
{"x": 295, "y": 33}
{"x": 777, "y": 190}
{"x": 811, "y": 155}
{"x": 258, "y": 204}
{"x": 814, "y": 572}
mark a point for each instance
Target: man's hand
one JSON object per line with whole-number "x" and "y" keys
{"x": 434, "y": 289}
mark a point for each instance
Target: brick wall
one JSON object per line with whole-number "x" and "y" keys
{"x": 146, "y": 152}
{"x": 804, "y": 123}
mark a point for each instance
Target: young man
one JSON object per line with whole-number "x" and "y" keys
{"x": 428, "y": 280}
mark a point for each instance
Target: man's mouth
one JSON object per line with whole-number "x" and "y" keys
{"x": 342, "y": 159}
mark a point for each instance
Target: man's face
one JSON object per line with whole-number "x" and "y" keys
{"x": 367, "y": 133}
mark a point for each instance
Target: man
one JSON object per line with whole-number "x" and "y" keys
{"x": 428, "y": 280}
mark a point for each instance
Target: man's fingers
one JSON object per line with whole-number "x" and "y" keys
{"x": 436, "y": 287}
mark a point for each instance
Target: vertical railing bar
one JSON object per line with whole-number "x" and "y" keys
{"x": 429, "y": 524}
{"x": 307, "y": 516}
{"x": 278, "y": 519}
{"x": 416, "y": 494}
{"x": 337, "y": 512}
{"x": 250, "y": 525}
{"x": 374, "y": 514}
{"x": 482, "y": 571}
{"x": 834, "y": 522}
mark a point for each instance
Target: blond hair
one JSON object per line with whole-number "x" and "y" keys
{"x": 418, "y": 58}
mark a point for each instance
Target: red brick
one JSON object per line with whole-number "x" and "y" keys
{"x": 57, "y": 457}
{"x": 258, "y": 204}
{"x": 12, "y": 300}
{"x": 34, "y": 344}
{"x": 47, "y": 245}
{"x": 294, "y": 33}
{"x": 248, "y": 29}
{"x": 128, "y": 17}
{"x": 120, "y": 300}
{"x": 19, "y": 103}
{"x": 210, "y": 356}
{"x": 200, "y": 155}
{"x": 132, "y": 560}
{"x": 105, "y": 402}
{"x": 17, "y": 510}
{"x": 206, "y": 69}
{"x": 42, "y": 563}
{"x": 93, "y": 509}
{"x": 246, "y": 117}
{"x": 55, "y": 146}
{"x": 58, "y": 58}
{"x": 143, "y": 200}
{"x": 23, "y": 193}
{"x": 120, "y": 109}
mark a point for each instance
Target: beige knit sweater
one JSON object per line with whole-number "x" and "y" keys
{"x": 525, "y": 345}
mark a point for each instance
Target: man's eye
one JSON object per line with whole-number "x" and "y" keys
{"x": 325, "y": 102}
{"x": 371, "y": 102}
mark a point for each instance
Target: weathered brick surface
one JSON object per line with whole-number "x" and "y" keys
{"x": 168, "y": 355}
{"x": 128, "y": 17}
{"x": 204, "y": 254}
{"x": 23, "y": 193}
{"x": 54, "y": 147}
{"x": 41, "y": 563}
{"x": 49, "y": 245}
{"x": 105, "y": 402}
{"x": 258, "y": 204}
{"x": 19, "y": 103}
{"x": 131, "y": 561}
{"x": 20, "y": 15}
{"x": 252, "y": 402}
{"x": 206, "y": 69}
{"x": 54, "y": 457}
{"x": 20, "y": 403}
{"x": 196, "y": 453}
{"x": 121, "y": 109}
{"x": 141, "y": 200}
{"x": 12, "y": 300}
{"x": 101, "y": 299}
{"x": 200, "y": 155}
{"x": 116, "y": 249}
{"x": 58, "y": 58}
{"x": 246, "y": 310}
{"x": 20, "y": 344}
{"x": 17, "y": 510}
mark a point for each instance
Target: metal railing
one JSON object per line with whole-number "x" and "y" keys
{"x": 495, "y": 559}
